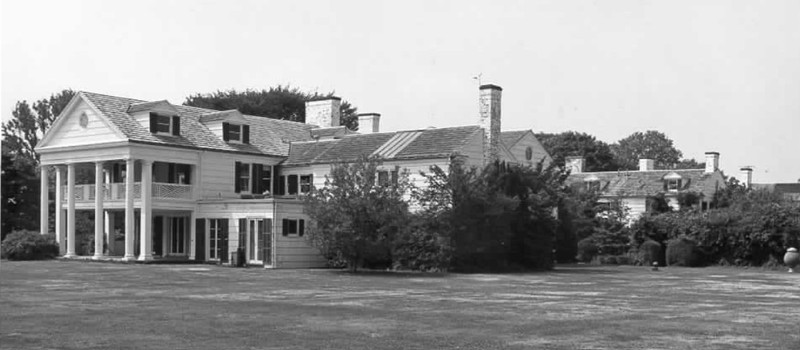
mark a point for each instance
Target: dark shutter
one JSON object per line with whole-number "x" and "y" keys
{"x": 679, "y": 184}
{"x": 158, "y": 236}
{"x": 666, "y": 183}
{"x": 242, "y": 233}
{"x": 222, "y": 251}
{"x": 302, "y": 228}
{"x": 266, "y": 239}
{"x": 281, "y": 188}
{"x": 255, "y": 179}
{"x": 153, "y": 122}
{"x": 200, "y": 240}
{"x": 237, "y": 167}
{"x": 171, "y": 173}
{"x": 176, "y": 125}
{"x": 285, "y": 227}
{"x": 245, "y": 133}
{"x": 262, "y": 238}
{"x": 292, "y": 184}
{"x": 225, "y": 131}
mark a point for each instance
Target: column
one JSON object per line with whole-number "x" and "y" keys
{"x": 43, "y": 200}
{"x": 146, "y": 224}
{"x": 70, "y": 210}
{"x": 129, "y": 218}
{"x": 99, "y": 223}
{"x": 110, "y": 231}
{"x": 193, "y": 237}
{"x": 59, "y": 211}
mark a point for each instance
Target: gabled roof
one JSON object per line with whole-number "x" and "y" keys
{"x": 412, "y": 144}
{"x": 332, "y": 132}
{"x": 267, "y": 136}
{"x": 221, "y": 115}
{"x": 510, "y": 138}
{"x": 146, "y": 106}
{"x": 648, "y": 183}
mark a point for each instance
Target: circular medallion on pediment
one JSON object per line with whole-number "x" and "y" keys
{"x": 84, "y": 120}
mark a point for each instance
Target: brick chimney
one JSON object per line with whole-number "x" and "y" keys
{"x": 747, "y": 176}
{"x": 646, "y": 165}
{"x": 324, "y": 112}
{"x": 369, "y": 123}
{"x": 712, "y": 162}
{"x": 574, "y": 164}
{"x": 490, "y": 120}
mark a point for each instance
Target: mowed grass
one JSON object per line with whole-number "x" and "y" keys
{"x": 84, "y": 305}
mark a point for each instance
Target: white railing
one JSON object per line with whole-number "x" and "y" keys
{"x": 116, "y": 191}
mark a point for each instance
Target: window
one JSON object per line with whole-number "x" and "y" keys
{"x": 236, "y": 132}
{"x": 386, "y": 178}
{"x": 293, "y": 227}
{"x": 214, "y": 238}
{"x": 162, "y": 124}
{"x": 673, "y": 185}
{"x": 262, "y": 179}
{"x": 593, "y": 185}
{"x": 528, "y": 153}
{"x": 243, "y": 177}
{"x": 305, "y": 183}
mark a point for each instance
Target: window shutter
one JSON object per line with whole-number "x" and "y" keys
{"x": 245, "y": 133}
{"x": 176, "y": 125}
{"x": 242, "y": 233}
{"x": 292, "y": 184}
{"x": 666, "y": 183}
{"x": 301, "y": 229}
{"x": 222, "y": 252}
{"x": 225, "y": 131}
{"x": 285, "y": 227}
{"x": 200, "y": 240}
{"x": 171, "y": 172}
{"x": 255, "y": 179}
{"x": 153, "y": 123}
{"x": 680, "y": 182}
{"x": 237, "y": 169}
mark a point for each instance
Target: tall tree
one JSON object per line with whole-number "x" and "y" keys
{"x": 20, "y": 173}
{"x": 356, "y": 215}
{"x": 690, "y": 164}
{"x": 651, "y": 145}
{"x": 597, "y": 154}
{"x": 280, "y": 102}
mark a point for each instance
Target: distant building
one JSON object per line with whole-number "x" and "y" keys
{"x": 633, "y": 188}
{"x": 788, "y": 191}
{"x": 186, "y": 183}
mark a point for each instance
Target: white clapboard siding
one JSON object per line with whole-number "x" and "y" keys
{"x": 538, "y": 151}
{"x": 71, "y": 133}
{"x": 294, "y": 251}
{"x": 217, "y": 171}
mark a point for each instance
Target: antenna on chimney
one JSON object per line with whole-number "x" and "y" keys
{"x": 478, "y": 78}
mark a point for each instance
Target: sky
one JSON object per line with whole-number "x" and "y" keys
{"x": 712, "y": 75}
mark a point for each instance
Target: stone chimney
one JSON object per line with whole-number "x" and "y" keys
{"x": 369, "y": 123}
{"x": 574, "y": 164}
{"x": 324, "y": 112}
{"x": 490, "y": 120}
{"x": 747, "y": 176}
{"x": 712, "y": 162}
{"x": 646, "y": 165}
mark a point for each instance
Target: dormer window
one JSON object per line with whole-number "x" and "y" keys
{"x": 672, "y": 182}
{"x": 164, "y": 124}
{"x": 236, "y": 133}
{"x": 592, "y": 183}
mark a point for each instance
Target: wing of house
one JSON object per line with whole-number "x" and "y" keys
{"x": 178, "y": 182}
{"x": 634, "y": 187}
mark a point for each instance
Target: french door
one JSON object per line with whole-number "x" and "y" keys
{"x": 258, "y": 245}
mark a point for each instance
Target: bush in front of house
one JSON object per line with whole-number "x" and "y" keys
{"x": 422, "y": 250}
{"x": 649, "y": 252}
{"x": 684, "y": 252}
{"x": 587, "y": 250}
{"x": 29, "y": 245}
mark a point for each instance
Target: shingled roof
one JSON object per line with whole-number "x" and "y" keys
{"x": 510, "y": 138}
{"x": 412, "y": 144}
{"x": 267, "y": 136}
{"x": 648, "y": 183}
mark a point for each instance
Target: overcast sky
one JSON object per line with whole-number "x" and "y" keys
{"x": 713, "y": 75}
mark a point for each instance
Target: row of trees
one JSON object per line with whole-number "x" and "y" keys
{"x": 621, "y": 155}
{"x": 464, "y": 219}
{"x": 29, "y": 122}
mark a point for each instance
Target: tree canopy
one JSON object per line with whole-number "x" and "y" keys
{"x": 651, "y": 145}
{"x": 597, "y": 154}
{"x": 280, "y": 102}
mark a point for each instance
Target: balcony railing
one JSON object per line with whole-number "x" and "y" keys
{"x": 116, "y": 191}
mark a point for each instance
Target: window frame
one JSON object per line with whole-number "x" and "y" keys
{"x": 675, "y": 182}
{"x": 305, "y": 182}
{"x": 230, "y": 133}
{"x": 159, "y": 124}
{"x": 244, "y": 178}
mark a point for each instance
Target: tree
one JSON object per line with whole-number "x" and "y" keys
{"x": 689, "y": 164}
{"x": 20, "y": 176}
{"x": 280, "y": 102}
{"x": 597, "y": 154}
{"x": 651, "y": 145}
{"x": 354, "y": 217}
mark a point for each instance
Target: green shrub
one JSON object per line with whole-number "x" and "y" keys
{"x": 683, "y": 252}
{"x": 29, "y": 245}
{"x": 649, "y": 252}
{"x": 587, "y": 250}
{"x": 420, "y": 250}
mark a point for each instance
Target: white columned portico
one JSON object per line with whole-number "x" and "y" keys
{"x": 70, "y": 210}
{"x": 43, "y": 200}
{"x": 146, "y": 211}
{"x": 99, "y": 225}
{"x": 108, "y": 216}
{"x": 59, "y": 211}
{"x": 129, "y": 219}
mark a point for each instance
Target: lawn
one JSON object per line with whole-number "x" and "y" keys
{"x": 85, "y": 305}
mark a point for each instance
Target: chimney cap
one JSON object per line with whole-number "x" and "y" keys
{"x": 746, "y": 168}
{"x": 368, "y": 114}
{"x": 712, "y": 152}
{"x": 490, "y": 87}
{"x": 325, "y": 98}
